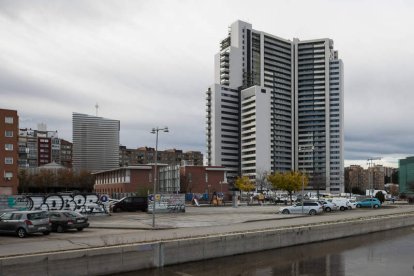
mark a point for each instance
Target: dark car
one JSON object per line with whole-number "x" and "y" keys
{"x": 63, "y": 220}
{"x": 22, "y": 223}
{"x": 131, "y": 203}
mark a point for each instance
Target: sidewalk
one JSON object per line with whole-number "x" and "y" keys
{"x": 193, "y": 217}
{"x": 224, "y": 216}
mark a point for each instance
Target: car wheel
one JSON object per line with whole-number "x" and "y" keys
{"x": 285, "y": 211}
{"x": 21, "y": 233}
{"x": 358, "y": 205}
{"x": 342, "y": 208}
{"x": 349, "y": 208}
{"x": 328, "y": 209}
{"x": 46, "y": 233}
{"x": 312, "y": 212}
{"x": 80, "y": 229}
{"x": 60, "y": 229}
{"x": 376, "y": 206}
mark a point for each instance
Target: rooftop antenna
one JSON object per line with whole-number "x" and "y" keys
{"x": 97, "y": 107}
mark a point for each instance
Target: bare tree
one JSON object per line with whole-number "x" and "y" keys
{"x": 261, "y": 180}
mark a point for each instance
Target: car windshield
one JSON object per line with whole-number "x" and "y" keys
{"x": 34, "y": 216}
{"x": 72, "y": 214}
{"x": 6, "y": 216}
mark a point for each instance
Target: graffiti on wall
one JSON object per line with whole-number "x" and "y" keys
{"x": 167, "y": 203}
{"x": 83, "y": 203}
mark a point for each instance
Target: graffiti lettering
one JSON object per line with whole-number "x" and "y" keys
{"x": 84, "y": 203}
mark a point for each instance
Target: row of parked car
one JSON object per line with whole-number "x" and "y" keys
{"x": 334, "y": 204}
{"x": 22, "y": 223}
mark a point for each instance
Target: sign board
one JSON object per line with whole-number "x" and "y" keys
{"x": 167, "y": 203}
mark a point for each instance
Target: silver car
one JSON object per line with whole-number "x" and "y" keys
{"x": 23, "y": 223}
{"x": 309, "y": 207}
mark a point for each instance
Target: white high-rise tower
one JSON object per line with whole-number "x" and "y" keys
{"x": 277, "y": 105}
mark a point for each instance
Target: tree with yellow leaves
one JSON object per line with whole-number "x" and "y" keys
{"x": 288, "y": 181}
{"x": 244, "y": 184}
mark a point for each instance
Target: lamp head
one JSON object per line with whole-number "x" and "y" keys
{"x": 166, "y": 129}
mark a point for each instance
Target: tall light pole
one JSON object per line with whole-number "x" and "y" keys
{"x": 155, "y": 131}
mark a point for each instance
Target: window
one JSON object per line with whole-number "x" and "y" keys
{"x": 8, "y": 133}
{"x": 8, "y": 147}
{"x": 8, "y": 160}
{"x": 8, "y": 175}
{"x": 8, "y": 120}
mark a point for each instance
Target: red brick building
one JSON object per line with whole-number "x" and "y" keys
{"x": 203, "y": 179}
{"x": 124, "y": 180}
{"x": 9, "y": 151}
{"x": 133, "y": 179}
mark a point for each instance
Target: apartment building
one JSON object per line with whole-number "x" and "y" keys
{"x": 365, "y": 179}
{"x": 276, "y": 105}
{"x": 38, "y": 147}
{"x": 9, "y": 129}
{"x": 145, "y": 155}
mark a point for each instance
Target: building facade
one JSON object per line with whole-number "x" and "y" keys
{"x": 123, "y": 180}
{"x": 372, "y": 178}
{"x": 145, "y": 155}
{"x": 355, "y": 178}
{"x": 38, "y": 147}
{"x": 204, "y": 180}
{"x": 65, "y": 156}
{"x": 95, "y": 143}
{"x": 171, "y": 179}
{"x": 406, "y": 175}
{"x": 9, "y": 130}
{"x": 276, "y": 106}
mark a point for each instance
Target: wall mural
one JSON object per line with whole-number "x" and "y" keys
{"x": 83, "y": 203}
{"x": 167, "y": 203}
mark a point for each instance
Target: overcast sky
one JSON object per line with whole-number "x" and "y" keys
{"x": 149, "y": 63}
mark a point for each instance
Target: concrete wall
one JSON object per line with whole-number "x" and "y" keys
{"x": 123, "y": 258}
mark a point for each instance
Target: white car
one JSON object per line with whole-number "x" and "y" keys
{"x": 352, "y": 204}
{"x": 328, "y": 206}
{"x": 309, "y": 207}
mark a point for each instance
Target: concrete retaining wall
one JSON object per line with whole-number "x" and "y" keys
{"x": 123, "y": 258}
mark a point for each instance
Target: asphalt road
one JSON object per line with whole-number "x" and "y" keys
{"x": 127, "y": 228}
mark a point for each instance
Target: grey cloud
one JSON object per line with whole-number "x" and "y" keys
{"x": 148, "y": 63}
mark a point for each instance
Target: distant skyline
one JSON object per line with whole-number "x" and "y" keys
{"x": 149, "y": 63}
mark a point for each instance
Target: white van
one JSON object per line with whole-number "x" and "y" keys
{"x": 342, "y": 203}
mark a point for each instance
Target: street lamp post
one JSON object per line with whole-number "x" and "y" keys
{"x": 155, "y": 131}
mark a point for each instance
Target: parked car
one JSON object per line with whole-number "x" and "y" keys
{"x": 23, "y": 223}
{"x": 369, "y": 202}
{"x": 63, "y": 220}
{"x": 352, "y": 204}
{"x": 309, "y": 207}
{"x": 328, "y": 206}
{"x": 131, "y": 203}
{"x": 342, "y": 203}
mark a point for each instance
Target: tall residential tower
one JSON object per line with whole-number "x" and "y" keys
{"x": 277, "y": 105}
